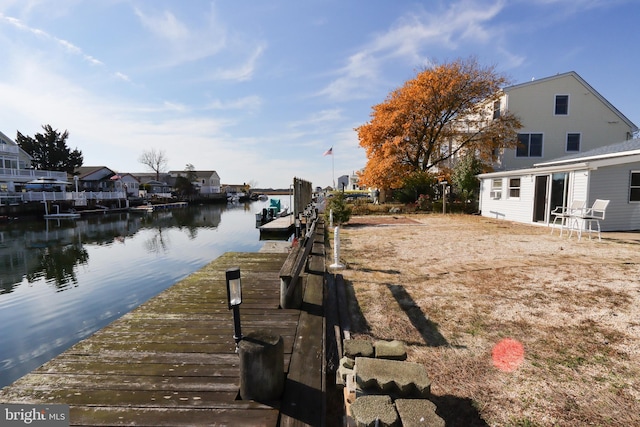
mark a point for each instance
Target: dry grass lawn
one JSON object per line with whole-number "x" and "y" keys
{"x": 452, "y": 287}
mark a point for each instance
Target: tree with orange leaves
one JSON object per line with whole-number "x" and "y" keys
{"x": 445, "y": 110}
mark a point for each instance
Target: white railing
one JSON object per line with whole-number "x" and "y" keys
{"x": 96, "y": 195}
{"x": 10, "y": 199}
{"x": 79, "y": 197}
{"x": 6, "y": 148}
{"x": 28, "y": 174}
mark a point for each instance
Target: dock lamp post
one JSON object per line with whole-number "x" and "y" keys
{"x": 234, "y": 299}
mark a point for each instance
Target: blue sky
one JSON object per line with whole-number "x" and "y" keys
{"x": 259, "y": 90}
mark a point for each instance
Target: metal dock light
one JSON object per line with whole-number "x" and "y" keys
{"x": 234, "y": 299}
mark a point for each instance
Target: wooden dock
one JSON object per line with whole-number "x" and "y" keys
{"x": 172, "y": 360}
{"x": 278, "y": 227}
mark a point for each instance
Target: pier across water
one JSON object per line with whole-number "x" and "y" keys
{"x": 172, "y": 361}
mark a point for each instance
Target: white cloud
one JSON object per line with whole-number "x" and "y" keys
{"x": 66, "y": 45}
{"x": 244, "y": 71}
{"x": 164, "y": 25}
{"x": 320, "y": 118}
{"x": 408, "y": 41}
{"x": 182, "y": 43}
{"x": 250, "y": 103}
{"x": 122, "y": 76}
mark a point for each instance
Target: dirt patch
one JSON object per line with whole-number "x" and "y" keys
{"x": 454, "y": 287}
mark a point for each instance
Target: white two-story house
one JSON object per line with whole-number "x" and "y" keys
{"x": 16, "y": 170}
{"x": 574, "y": 146}
{"x": 561, "y": 115}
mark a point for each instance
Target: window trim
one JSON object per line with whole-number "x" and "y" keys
{"x": 528, "y": 155}
{"x": 555, "y": 104}
{"x": 513, "y": 189}
{"x": 566, "y": 146}
{"x": 632, "y": 187}
{"x": 497, "y": 112}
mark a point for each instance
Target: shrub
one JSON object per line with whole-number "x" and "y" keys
{"x": 337, "y": 205}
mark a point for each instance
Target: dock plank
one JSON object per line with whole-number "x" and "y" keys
{"x": 172, "y": 360}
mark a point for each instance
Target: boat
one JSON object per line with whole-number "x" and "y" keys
{"x": 237, "y": 197}
{"x": 151, "y": 207}
{"x": 272, "y": 212}
{"x": 142, "y": 208}
{"x": 263, "y": 197}
{"x": 46, "y": 184}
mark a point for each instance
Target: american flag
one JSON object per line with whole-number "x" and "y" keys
{"x": 329, "y": 152}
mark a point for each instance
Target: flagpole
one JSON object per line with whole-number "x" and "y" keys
{"x": 333, "y": 170}
{"x": 329, "y": 152}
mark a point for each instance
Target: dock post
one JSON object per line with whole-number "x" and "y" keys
{"x": 261, "y": 366}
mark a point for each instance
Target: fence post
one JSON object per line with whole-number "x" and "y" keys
{"x": 336, "y": 249}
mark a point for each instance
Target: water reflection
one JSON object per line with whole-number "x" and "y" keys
{"x": 62, "y": 280}
{"x": 53, "y": 249}
{"x": 57, "y": 265}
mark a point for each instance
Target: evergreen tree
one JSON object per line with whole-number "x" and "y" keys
{"x": 49, "y": 150}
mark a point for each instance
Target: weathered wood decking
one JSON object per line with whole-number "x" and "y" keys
{"x": 278, "y": 226}
{"x": 172, "y": 360}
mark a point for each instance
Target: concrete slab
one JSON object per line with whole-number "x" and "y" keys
{"x": 374, "y": 411}
{"x": 392, "y": 350}
{"x": 418, "y": 413}
{"x": 357, "y": 348}
{"x": 401, "y": 379}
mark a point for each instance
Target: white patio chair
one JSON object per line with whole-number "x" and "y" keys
{"x": 565, "y": 214}
{"x": 588, "y": 217}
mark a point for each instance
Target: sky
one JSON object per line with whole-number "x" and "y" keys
{"x": 260, "y": 90}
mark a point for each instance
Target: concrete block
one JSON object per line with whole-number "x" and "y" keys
{"x": 357, "y": 348}
{"x": 370, "y": 411}
{"x": 400, "y": 379}
{"x": 393, "y": 350}
{"x": 345, "y": 368}
{"x": 418, "y": 413}
{"x": 349, "y": 394}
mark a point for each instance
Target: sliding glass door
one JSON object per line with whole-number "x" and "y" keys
{"x": 548, "y": 197}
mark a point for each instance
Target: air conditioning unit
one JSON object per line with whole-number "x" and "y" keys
{"x": 496, "y": 195}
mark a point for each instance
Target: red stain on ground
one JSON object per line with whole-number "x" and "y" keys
{"x": 508, "y": 355}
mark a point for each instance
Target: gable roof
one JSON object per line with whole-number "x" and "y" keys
{"x": 200, "y": 174}
{"x": 575, "y": 75}
{"x": 85, "y": 171}
{"x": 4, "y": 139}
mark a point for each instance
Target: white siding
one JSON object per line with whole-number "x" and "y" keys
{"x": 612, "y": 183}
{"x": 578, "y": 185}
{"x": 521, "y": 209}
{"x": 608, "y": 183}
{"x": 588, "y": 115}
{"x": 513, "y": 209}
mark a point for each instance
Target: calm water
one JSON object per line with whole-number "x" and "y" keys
{"x": 60, "y": 281}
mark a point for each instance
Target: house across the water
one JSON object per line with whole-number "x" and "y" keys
{"x": 530, "y": 195}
